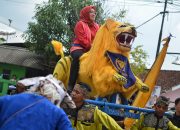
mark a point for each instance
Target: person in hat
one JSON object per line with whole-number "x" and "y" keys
{"x": 87, "y": 116}
{"x": 85, "y": 31}
{"x": 175, "y": 119}
{"x": 156, "y": 120}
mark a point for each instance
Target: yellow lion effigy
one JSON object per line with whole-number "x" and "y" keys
{"x": 105, "y": 68}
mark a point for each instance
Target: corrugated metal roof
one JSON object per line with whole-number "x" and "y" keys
{"x": 20, "y": 56}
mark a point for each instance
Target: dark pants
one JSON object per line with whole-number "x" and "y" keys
{"x": 74, "y": 68}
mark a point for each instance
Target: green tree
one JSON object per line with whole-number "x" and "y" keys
{"x": 119, "y": 15}
{"x": 56, "y": 20}
{"x": 2, "y": 40}
{"x": 138, "y": 60}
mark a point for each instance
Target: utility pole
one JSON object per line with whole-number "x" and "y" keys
{"x": 160, "y": 33}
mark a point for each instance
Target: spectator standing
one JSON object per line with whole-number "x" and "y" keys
{"x": 156, "y": 120}
{"x": 86, "y": 116}
{"x": 176, "y": 117}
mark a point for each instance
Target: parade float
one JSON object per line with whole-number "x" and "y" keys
{"x": 106, "y": 69}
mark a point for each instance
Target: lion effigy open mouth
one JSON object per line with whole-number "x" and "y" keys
{"x": 125, "y": 39}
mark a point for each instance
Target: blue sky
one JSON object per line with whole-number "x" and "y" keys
{"x": 21, "y": 12}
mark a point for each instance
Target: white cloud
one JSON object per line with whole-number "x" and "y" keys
{"x": 5, "y": 30}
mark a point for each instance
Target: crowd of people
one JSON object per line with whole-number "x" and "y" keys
{"x": 32, "y": 111}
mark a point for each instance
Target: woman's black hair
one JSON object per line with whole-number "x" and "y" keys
{"x": 177, "y": 101}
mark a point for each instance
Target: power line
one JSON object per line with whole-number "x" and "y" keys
{"x": 148, "y": 20}
{"x": 141, "y": 0}
{"x": 176, "y": 5}
{"x": 18, "y": 2}
{"x": 116, "y": 1}
{"x": 173, "y": 7}
{"x": 21, "y": 2}
{"x": 174, "y": 12}
{"x": 132, "y": 3}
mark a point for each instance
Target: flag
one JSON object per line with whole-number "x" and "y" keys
{"x": 150, "y": 80}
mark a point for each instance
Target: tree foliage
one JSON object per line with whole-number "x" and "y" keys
{"x": 119, "y": 15}
{"x": 2, "y": 40}
{"x": 139, "y": 60}
{"x": 56, "y": 20}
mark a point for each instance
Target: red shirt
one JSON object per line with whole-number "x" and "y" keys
{"x": 84, "y": 35}
{"x": 85, "y": 30}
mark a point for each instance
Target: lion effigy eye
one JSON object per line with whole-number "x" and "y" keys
{"x": 122, "y": 26}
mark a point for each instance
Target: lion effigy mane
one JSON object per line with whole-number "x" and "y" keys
{"x": 97, "y": 68}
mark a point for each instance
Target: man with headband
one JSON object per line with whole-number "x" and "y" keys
{"x": 86, "y": 116}
{"x": 156, "y": 120}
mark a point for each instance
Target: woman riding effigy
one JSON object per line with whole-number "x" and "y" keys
{"x": 85, "y": 31}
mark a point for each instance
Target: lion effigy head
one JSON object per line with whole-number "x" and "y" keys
{"x": 112, "y": 36}
{"x": 96, "y": 68}
{"x": 123, "y": 34}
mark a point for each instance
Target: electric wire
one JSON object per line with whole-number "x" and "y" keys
{"x": 124, "y": 3}
{"x": 18, "y": 2}
{"x": 148, "y": 20}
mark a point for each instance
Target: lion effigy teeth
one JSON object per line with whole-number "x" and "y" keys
{"x": 131, "y": 42}
{"x": 126, "y": 39}
{"x": 126, "y": 36}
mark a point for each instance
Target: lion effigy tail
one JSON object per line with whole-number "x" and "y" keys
{"x": 150, "y": 80}
{"x": 62, "y": 68}
{"x": 58, "y": 48}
